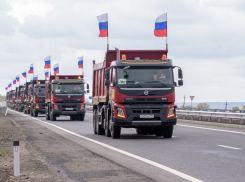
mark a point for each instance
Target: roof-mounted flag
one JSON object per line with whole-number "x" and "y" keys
{"x": 46, "y": 74}
{"x": 47, "y": 62}
{"x": 161, "y": 26}
{"x": 24, "y": 74}
{"x": 9, "y": 85}
{"x": 80, "y": 62}
{"x": 18, "y": 78}
{"x": 35, "y": 77}
{"x": 103, "y": 25}
{"x": 14, "y": 82}
{"x": 6, "y": 88}
{"x": 31, "y": 69}
{"x": 56, "y": 68}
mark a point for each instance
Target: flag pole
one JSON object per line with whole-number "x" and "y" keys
{"x": 107, "y": 34}
{"x": 167, "y": 34}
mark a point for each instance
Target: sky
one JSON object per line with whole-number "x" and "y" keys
{"x": 205, "y": 38}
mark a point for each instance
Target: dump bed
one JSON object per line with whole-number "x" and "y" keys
{"x": 100, "y": 92}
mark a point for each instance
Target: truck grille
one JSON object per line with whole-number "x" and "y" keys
{"x": 146, "y": 111}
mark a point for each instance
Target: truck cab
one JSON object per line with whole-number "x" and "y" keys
{"x": 37, "y": 98}
{"x": 136, "y": 90}
{"x": 65, "y": 95}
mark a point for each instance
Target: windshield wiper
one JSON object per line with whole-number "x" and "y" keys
{"x": 136, "y": 83}
{"x": 156, "y": 81}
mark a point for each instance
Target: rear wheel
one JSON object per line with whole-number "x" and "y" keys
{"x": 95, "y": 121}
{"x": 168, "y": 131}
{"x": 99, "y": 128}
{"x": 106, "y": 124}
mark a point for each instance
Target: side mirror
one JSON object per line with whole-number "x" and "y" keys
{"x": 87, "y": 86}
{"x": 180, "y": 73}
{"x": 49, "y": 86}
{"x": 87, "y": 91}
{"x": 107, "y": 74}
{"x": 107, "y": 82}
{"x": 180, "y": 82}
{"x": 49, "y": 91}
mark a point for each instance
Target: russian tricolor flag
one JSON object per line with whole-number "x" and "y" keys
{"x": 6, "y": 88}
{"x": 80, "y": 62}
{"x": 47, "y": 62}
{"x": 18, "y": 78}
{"x": 56, "y": 68}
{"x": 31, "y": 69}
{"x": 103, "y": 25}
{"x": 46, "y": 74}
{"x": 24, "y": 74}
{"x": 9, "y": 85}
{"x": 161, "y": 26}
{"x": 35, "y": 77}
{"x": 14, "y": 82}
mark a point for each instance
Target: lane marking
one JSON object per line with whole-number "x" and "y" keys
{"x": 228, "y": 131}
{"x": 165, "y": 168}
{"x": 229, "y": 147}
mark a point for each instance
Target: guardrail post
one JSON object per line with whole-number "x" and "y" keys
{"x": 192, "y": 117}
{"x": 200, "y": 118}
{"x": 209, "y": 119}
{"x": 242, "y": 121}
{"x": 219, "y": 120}
{"x": 230, "y": 120}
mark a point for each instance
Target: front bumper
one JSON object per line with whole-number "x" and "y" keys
{"x": 69, "y": 109}
{"x": 69, "y": 112}
{"x": 143, "y": 123}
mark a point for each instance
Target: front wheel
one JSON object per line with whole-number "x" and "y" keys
{"x": 47, "y": 113}
{"x": 35, "y": 113}
{"x": 106, "y": 125}
{"x": 31, "y": 111}
{"x": 115, "y": 131}
{"x": 168, "y": 131}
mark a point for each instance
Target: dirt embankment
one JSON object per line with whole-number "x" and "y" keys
{"x": 47, "y": 156}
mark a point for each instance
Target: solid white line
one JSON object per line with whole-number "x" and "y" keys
{"x": 165, "y": 168}
{"x": 228, "y": 131}
{"x": 229, "y": 147}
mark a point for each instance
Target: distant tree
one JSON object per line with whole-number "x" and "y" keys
{"x": 203, "y": 105}
{"x": 243, "y": 107}
{"x": 236, "y": 108}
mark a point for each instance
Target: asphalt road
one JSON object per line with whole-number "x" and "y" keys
{"x": 198, "y": 151}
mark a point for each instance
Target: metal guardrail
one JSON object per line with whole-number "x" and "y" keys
{"x": 219, "y": 115}
{"x": 213, "y": 110}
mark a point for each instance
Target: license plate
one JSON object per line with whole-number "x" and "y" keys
{"x": 147, "y": 116}
{"x": 69, "y": 108}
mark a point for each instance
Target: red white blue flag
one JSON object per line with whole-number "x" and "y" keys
{"x": 47, "y": 62}
{"x": 18, "y": 78}
{"x": 24, "y": 74}
{"x": 46, "y": 74}
{"x": 80, "y": 62}
{"x": 56, "y": 68}
{"x": 35, "y": 77}
{"x": 161, "y": 26}
{"x": 103, "y": 25}
{"x": 14, "y": 82}
{"x": 6, "y": 88}
{"x": 31, "y": 69}
{"x": 9, "y": 85}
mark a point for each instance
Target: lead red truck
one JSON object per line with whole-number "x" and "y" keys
{"x": 135, "y": 89}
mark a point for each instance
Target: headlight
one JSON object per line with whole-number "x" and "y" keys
{"x": 171, "y": 112}
{"x": 82, "y": 107}
{"x": 55, "y": 107}
{"x": 120, "y": 112}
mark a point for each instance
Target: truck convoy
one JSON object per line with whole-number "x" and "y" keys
{"x": 65, "y": 96}
{"x": 136, "y": 90}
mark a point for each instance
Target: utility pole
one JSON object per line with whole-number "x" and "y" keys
{"x": 226, "y": 105}
{"x": 184, "y": 102}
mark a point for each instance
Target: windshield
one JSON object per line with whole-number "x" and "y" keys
{"x": 40, "y": 91}
{"x": 68, "y": 88}
{"x": 144, "y": 75}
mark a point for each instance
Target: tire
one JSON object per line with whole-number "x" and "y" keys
{"x": 31, "y": 111}
{"x": 24, "y": 111}
{"x": 159, "y": 131}
{"x": 81, "y": 117}
{"x": 106, "y": 125}
{"x": 35, "y": 114}
{"x": 95, "y": 121}
{"x": 52, "y": 117}
{"x": 99, "y": 128}
{"x": 47, "y": 113}
{"x": 168, "y": 131}
{"x": 144, "y": 131}
{"x": 115, "y": 131}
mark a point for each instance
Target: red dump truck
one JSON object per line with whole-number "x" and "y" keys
{"x": 134, "y": 89}
{"x": 12, "y": 99}
{"x": 27, "y": 97}
{"x": 65, "y": 96}
{"x": 37, "y": 97}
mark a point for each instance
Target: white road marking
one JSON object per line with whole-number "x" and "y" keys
{"x": 228, "y": 131}
{"x": 229, "y": 147}
{"x": 165, "y": 168}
